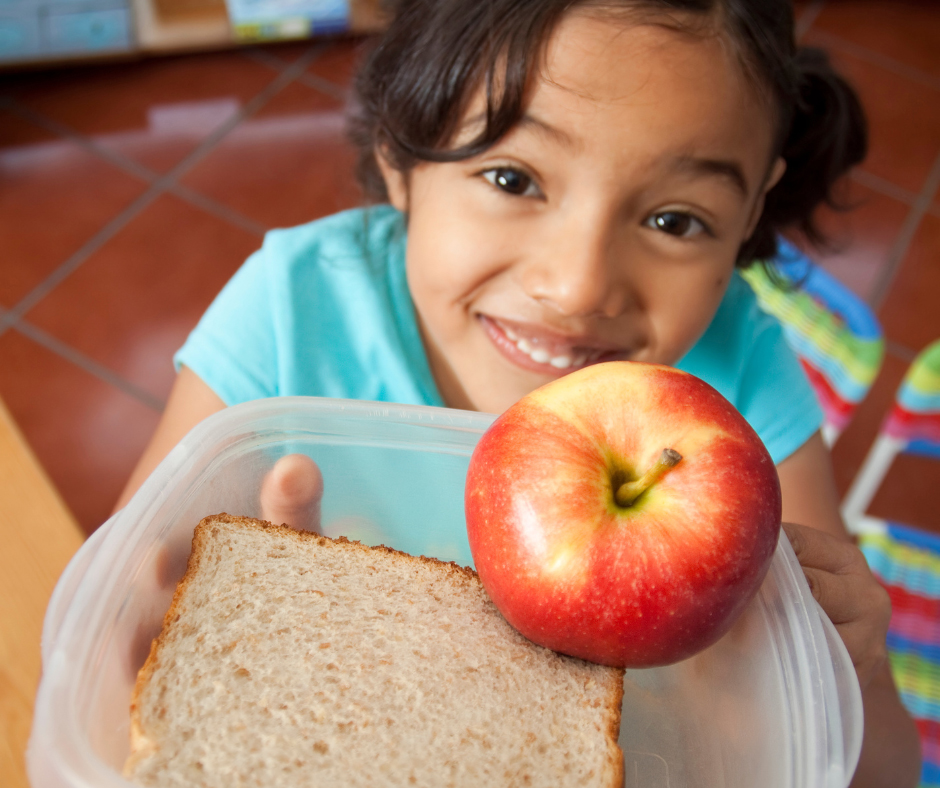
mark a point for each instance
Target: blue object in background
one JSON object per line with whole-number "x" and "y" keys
{"x": 33, "y": 30}
{"x": 267, "y": 20}
{"x": 87, "y": 30}
{"x": 19, "y": 33}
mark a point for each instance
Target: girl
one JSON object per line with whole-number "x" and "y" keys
{"x": 560, "y": 183}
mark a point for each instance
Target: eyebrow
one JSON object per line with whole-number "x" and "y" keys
{"x": 558, "y": 135}
{"x": 729, "y": 170}
{"x": 526, "y": 121}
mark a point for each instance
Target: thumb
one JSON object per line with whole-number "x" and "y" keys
{"x": 291, "y": 493}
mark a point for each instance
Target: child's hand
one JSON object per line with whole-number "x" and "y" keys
{"x": 845, "y": 588}
{"x": 291, "y": 493}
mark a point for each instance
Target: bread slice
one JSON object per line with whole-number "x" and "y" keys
{"x": 290, "y": 659}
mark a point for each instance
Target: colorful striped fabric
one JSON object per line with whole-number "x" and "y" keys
{"x": 907, "y": 562}
{"x": 915, "y": 417}
{"x": 835, "y": 334}
{"x": 912, "y": 426}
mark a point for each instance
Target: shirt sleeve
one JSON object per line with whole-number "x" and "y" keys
{"x": 233, "y": 347}
{"x": 745, "y": 356}
{"x": 775, "y": 395}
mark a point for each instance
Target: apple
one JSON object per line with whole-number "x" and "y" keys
{"x": 625, "y": 513}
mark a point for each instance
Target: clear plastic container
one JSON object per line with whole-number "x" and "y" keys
{"x": 774, "y": 703}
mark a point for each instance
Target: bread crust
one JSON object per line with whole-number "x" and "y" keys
{"x": 142, "y": 746}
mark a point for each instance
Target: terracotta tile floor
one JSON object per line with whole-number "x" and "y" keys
{"x": 130, "y": 192}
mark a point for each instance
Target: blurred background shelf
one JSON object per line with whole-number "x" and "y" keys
{"x": 172, "y": 25}
{"x": 55, "y": 30}
{"x": 45, "y": 32}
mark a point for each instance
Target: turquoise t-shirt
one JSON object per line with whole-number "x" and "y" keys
{"x": 324, "y": 310}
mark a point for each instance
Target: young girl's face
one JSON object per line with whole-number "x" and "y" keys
{"x": 604, "y": 226}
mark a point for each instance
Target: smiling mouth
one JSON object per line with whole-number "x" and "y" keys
{"x": 544, "y": 352}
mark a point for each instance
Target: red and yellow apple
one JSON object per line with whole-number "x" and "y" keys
{"x": 625, "y": 514}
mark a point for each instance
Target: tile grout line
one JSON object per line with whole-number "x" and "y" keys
{"x": 137, "y": 170}
{"x": 12, "y": 318}
{"x": 905, "y": 237}
{"x": 883, "y": 186}
{"x": 87, "y": 364}
{"x": 281, "y": 81}
{"x": 324, "y": 86}
{"x": 129, "y": 166}
{"x": 805, "y": 22}
{"x": 310, "y": 80}
{"x": 877, "y": 59}
{"x": 265, "y": 58}
{"x": 220, "y": 210}
{"x": 91, "y": 246}
{"x": 162, "y": 184}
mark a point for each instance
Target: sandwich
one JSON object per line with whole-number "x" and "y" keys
{"x": 289, "y": 659}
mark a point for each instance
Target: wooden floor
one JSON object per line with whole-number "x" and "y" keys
{"x": 39, "y": 536}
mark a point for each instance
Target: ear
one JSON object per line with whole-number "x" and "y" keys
{"x": 396, "y": 182}
{"x": 773, "y": 178}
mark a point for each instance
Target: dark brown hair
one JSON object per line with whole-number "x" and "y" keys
{"x": 414, "y": 86}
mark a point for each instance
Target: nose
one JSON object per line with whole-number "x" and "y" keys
{"x": 580, "y": 268}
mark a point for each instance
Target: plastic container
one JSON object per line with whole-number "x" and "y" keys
{"x": 774, "y": 703}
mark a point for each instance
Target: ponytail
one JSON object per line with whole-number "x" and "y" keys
{"x": 828, "y": 135}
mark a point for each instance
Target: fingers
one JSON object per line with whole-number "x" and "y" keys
{"x": 821, "y": 550}
{"x": 291, "y": 493}
{"x": 835, "y": 569}
{"x": 861, "y": 611}
{"x": 840, "y": 580}
{"x": 868, "y": 651}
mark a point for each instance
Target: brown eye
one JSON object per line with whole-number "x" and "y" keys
{"x": 512, "y": 181}
{"x": 676, "y": 223}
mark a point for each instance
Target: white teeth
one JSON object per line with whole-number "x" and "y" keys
{"x": 541, "y": 356}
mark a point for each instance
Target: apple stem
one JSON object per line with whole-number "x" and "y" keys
{"x": 628, "y": 492}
